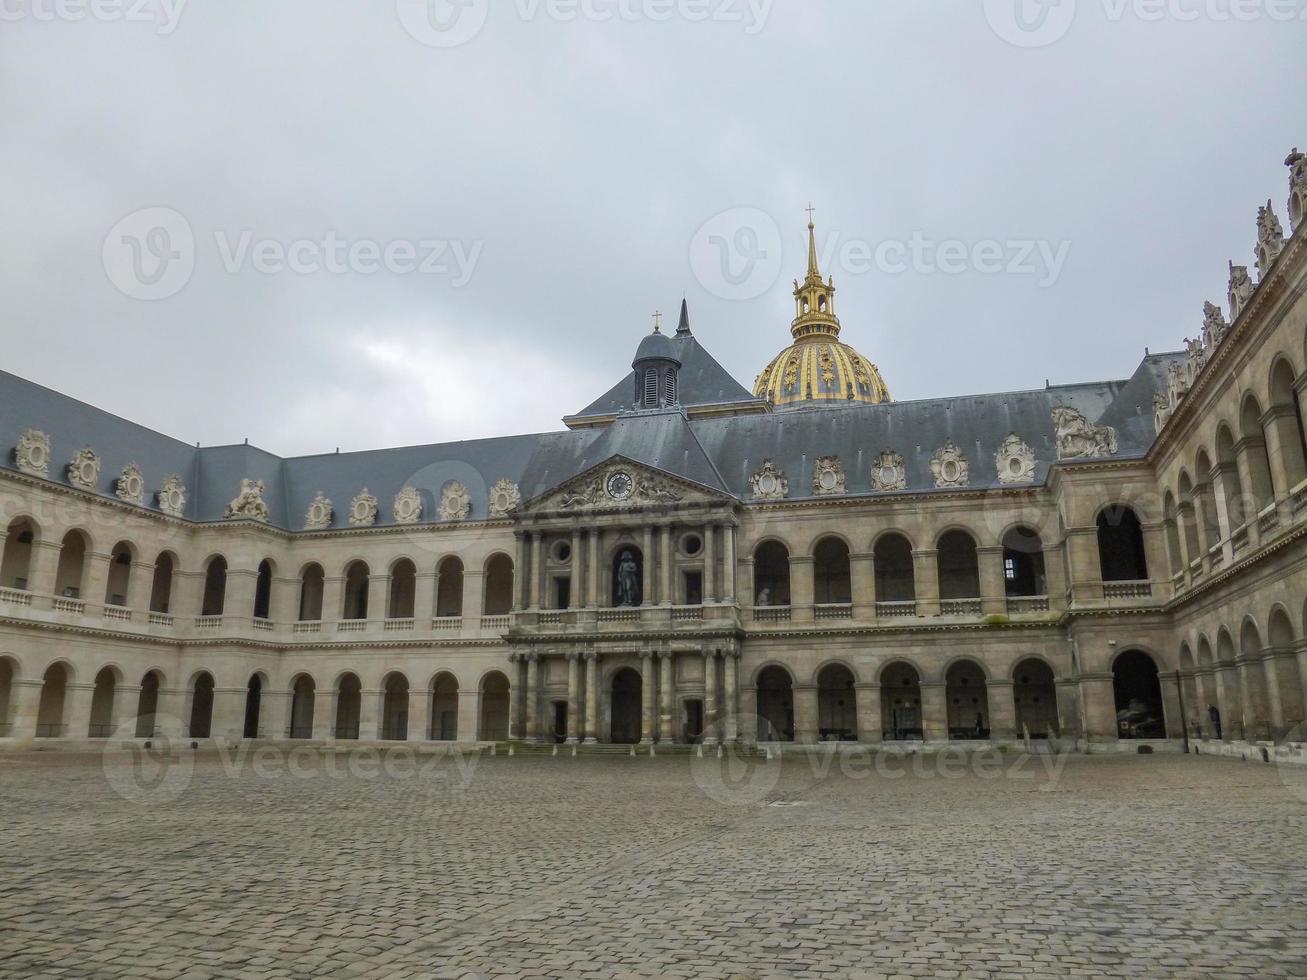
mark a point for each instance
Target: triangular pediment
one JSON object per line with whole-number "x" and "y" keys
{"x": 619, "y": 483}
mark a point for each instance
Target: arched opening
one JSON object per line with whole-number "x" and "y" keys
{"x": 303, "y": 694}
{"x": 6, "y": 695}
{"x": 832, "y": 584}
{"x": 253, "y": 706}
{"x": 627, "y": 688}
{"x": 72, "y": 566}
{"x": 1253, "y": 444}
{"x": 498, "y": 586}
{"x": 1138, "y": 692}
{"x": 147, "y": 706}
{"x": 403, "y": 590}
{"x": 895, "y": 581}
{"x": 444, "y": 708}
{"x": 627, "y": 580}
{"x": 106, "y": 687}
{"x": 120, "y": 575}
{"x": 263, "y": 591}
{"x": 449, "y": 587}
{"x": 16, "y": 565}
{"x": 967, "y": 697}
{"x": 1189, "y": 684}
{"x": 493, "y": 723}
{"x": 1257, "y": 715}
{"x": 349, "y": 706}
{"x": 1170, "y": 521}
{"x": 50, "y": 710}
{"x": 959, "y": 568}
{"x": 201, "y": 724}
{"x": 1187, "y": 514}
{"x": 312, "y": 585}
{"x": 1286, "y": 412}
{"x": 161, "y": 586}
{"x": 356, "y": 590}
{"x": 1023, "y": 563}
{"x": 1289, "y": 681}
{"x": 1034, "y": 693}
{"x": 771, "y": 574}
{"x": 1231, "y": 687}
{"x": 215, "y": 587}
{"x": 900, "y": 697}
{"x": 1205, "y": 501}
{"x": 775, "y": 705}
{"x": 837, "y": 704}
{"x": 1121, "y": 545}
{"x": 394, "y": 709}
{"x": 1236, "y": 508}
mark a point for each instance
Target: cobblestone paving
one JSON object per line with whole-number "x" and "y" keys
{"x": 1160, "y": 866}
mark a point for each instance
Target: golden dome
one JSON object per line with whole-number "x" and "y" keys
{"x": 817, "y": 367}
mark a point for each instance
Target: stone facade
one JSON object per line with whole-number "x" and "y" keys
{"x": 852, "y": 595}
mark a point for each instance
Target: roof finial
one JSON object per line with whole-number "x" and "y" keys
{"x": 658, "y": 321}
{"x": 683, "y": 328}
{"x": 813, "y": 271}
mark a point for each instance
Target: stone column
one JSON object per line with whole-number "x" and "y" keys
{"x": 731, "y": 709}
{"x": 1055, "y": 576}
{"x": 648, "y": 719}
{"x": 1275, "y": 703}
{"x": 229, "y": 713}
{"x": 521, "y": 549}
{"x": 591, "y": 698}
{"x": 516, "y": 701}
{"x": 474, "y": 597}
{"x": 536, "y": 573}
{"x": 419, "y": 714}
{"x": 24, "y": 706}
{"x": 533, "y": 697}
{"x": 650, "y": 561}
{"x": 1069, "y": 722}
{"x": 802, "y": 587}
{"x": 1100, "y": 706}
{"x": 710, "y": 712}
{"x": 1173, "y": 721}
{"x": 748, "y": 588}
{"x": 44, "y": 564}
{"x": 370, "y": 714}
{"x": 324, "y": 714}
{"x": 862, "y": 574}
{"x": 728, "y": 564}
{"x": 805, "y": 714}
{"x": 126, "y": 701}
{"x": 95, "y": 578}
{"x": 77, "y": 710}
{"x": 1002, "y": 709}
{"x": 274, "y": 709}
{"x": 333, "y": 598}
{"x": 139, "y": 587}
{"x": 469, "y": 719}
{"x": 238, "y": 598}
{"x": 925, "y": 573}
{"x": 709, "y": 567}
{"x": 573, "y": 698}
{"x": 993, "y": 582}
{"x": 424, "y": 598}
{"x": 576, "y": 597}
{"x": 934, "y": 711}
{"x": 667, "y": 695}
{"x": 1082, "y": 557}
{"x": 596, "y": 576}
{"x": 867, "y": 698}
{"x": 667, "y": 594}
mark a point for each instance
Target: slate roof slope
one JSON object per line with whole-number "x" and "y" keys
{"x": 1131, "y": 414}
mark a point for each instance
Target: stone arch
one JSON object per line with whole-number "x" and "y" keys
{"x": 449, "y": 587}
{"x": 51, "y": 713}
{"x": 1205, "y": 500}
{"x": 1253, "y": 439}
{"x": 1236, "y": 507}
{"x": 117, "y": 583}
{"x": 900, "y": 698}
{"x": 492, "y": 725}
{"x": 1187, "y": 511}
{"x": 200, "y": 724}
{"x": 103, "y": 699}
{"x": 966, "y": 695}
{"x": 1034, "y": 695}
{"x": 358, "y": 578}
{"x": 214, "y": 600}
{"x": 263, "y": 589}
{"x": 303, "y": 701}
{"x": 313, "y": 585}
{"x": 70, "y": 572}
{"x": 837, "y": 702}
{"x": 775, "y": 703}
{"x": 1024, "y": 572}
{"x": 1121, "y": 552}
{"x": 1191, "y": 684}
{"x": 401, "y": 603}
{"x": 1287, "y": 421}
{"x": 394, "y": 707}
{"x": 165, "y": 567}
{"x": 958, "y": 565}
{"x": 1137, "y": 688}
{"x": 147, "y": 703}
{"x": 254, "y": 688}
{"x": 444, "y": 707}
{"x": 1258, "y": 708}
{"x": 22, "y": 535}
{"x": 831, "y": 571}
{"x": 1171, "y": 523}
{"x": 1284, "y": 666}
{"x": 626, "y": 689}
{"x": 349, "y": 705}
{"x": 10, "y": 671}
{"x": 498, "y": 599}
{"x": 771, "y": 573}
{"x": 892, "y": 560}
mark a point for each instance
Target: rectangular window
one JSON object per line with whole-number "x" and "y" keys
{"x": 1010, "y": 569}
{"x": 694, "y": 588}
{"x": 563, "y": 593}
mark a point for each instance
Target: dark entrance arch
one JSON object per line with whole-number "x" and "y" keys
{"x": 1138, "y": 692}
{"x": 253, "y": 697}
{"x": 627, "y": 691}
{"x": 775, "y": 705}
{"x": 202, "y": 707}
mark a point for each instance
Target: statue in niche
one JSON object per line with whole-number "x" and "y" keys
{"x": 628, "y": 581}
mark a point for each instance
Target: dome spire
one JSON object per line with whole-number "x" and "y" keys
{"x": 814, "y": 298}
{"x": 813, "y": 271}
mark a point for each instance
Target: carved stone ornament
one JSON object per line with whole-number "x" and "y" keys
{"x": 84, "y": 470}
{"x": 320, "y": 514}
{"x": 1241, "y": 289}
{"x": 363, "y": 510}
{"x": 1161, "y": 412}
{"x": 1270, "y": 238}
{"x": 828, "y": 476}
{"x": 172, "y": 496}
{"x": 407, "y": 508}
{"x": 455, "y": 502}
{"x": 33, "y": 453}
{"x": 656, "y": 492}
{"x": 619, "y": 488}
{"x": 1015, "y": 461}
{"x": 769, "y": 483}
{"x": 888, "y": 472}
{"x": 1214, "y": 326}
{"x": 505, "y": 497}
{"x": 131, "y": 485}
{"x": 248, "y": 505}
{"x": 1297, "y": 164}
{"x": 1077, "y": 438}
{"x": 950, "y": 467}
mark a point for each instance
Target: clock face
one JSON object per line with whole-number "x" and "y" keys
{"x": 620, "y": 486}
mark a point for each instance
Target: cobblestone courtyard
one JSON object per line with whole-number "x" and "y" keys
{"x": 600, "y": 867}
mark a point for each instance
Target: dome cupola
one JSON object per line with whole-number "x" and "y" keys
{"x": 656, "y": 365}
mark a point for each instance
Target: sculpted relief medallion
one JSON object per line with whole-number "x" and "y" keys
{"x": 1015, "y": 461}
{"x": 131, "y": 485}
{"x": 363, "y": 510}
{"x": 455, "y": 502}
{"x": 828, "y": 476}
{"x": 320, "y": 514}
{"x": 505, "y": 498}
{"x": 950, "y": 467}
{"x": 33, "y": 453}
{"x": 769, "y": 483}
{"x": 888, "y": 472}
{"x": 84, "y": 470}
{"x": 407, "y": 508}
{"x": 172, "y": 496}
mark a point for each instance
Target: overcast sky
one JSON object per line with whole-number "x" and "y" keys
{"x": 561, "y": 177}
